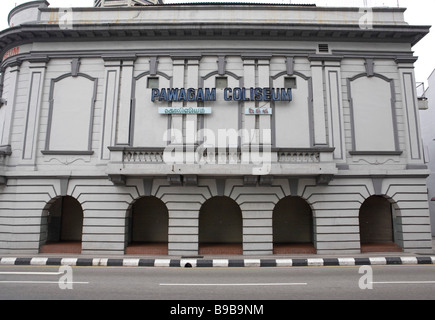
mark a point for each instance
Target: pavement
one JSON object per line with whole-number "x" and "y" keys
{"x": 296, "y": 260}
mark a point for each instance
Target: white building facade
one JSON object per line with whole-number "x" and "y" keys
{"x": 427, "y": 117}
{"x": 211, "y": 128}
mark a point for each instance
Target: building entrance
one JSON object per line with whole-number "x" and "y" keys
{"x": 376, "y": 225}
{"x": 62, "y": 226}
{"x": 220, "y": 227}
{"x": 293, "y": 226}
{"x": 147, "y": 227}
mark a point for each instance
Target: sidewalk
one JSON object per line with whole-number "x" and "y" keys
{"x": 299, "y": 260}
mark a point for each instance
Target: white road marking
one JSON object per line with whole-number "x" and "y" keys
{"x": 32, "y": 273}
{"x": 404, "y": 282}
{"x": 26, "y": 273}
{"x": 234, "y": 284}
{"x": 39, "y": 282}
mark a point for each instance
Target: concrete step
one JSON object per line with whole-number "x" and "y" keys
{"x": 147, "y": 248}
{"x": 299, "y": 248}
{"x": 62, "y": 247}
{"x": 380, "y": 247}
{"x": 220, "y": 248}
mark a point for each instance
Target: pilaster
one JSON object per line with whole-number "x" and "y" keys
{"x": 9, "y": 103}
{"x": 37, "y": 68}
{"x": 410, "y": 111}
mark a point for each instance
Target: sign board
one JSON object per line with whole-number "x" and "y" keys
{"x": 256, "y": 111}
{"x": 10, "y": 53}
{"x": 230, "y": 94}
{"x": 169, "y": 110}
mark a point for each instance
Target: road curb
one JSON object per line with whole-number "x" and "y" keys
{"x": 213, "y": 263}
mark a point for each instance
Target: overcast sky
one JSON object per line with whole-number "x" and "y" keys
{"x": 420, "y": 12}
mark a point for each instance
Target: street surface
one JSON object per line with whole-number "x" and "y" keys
{"x": 225, "y": 284}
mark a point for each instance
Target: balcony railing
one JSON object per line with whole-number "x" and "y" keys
{"x": 142, "y": 155}
{"x": 298, "y": 156}
{"x": 138, "y": 155}
{"x": 187, "y": 162}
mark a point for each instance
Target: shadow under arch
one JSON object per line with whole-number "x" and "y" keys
{"x": 147, "y": 227}
{"x": 220, "y": 227}
{"x": 293, "y": 230}
{"x": 62, "y": 226}
{"x": 377, "y": 226}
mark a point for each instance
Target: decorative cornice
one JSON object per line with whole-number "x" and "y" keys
{"x": 120, "y": 32}
{"x": 324, "y": 57}
{"x": 406, "y": 60}
{"x": 186, "y": 56}
{"x": 254, "y": 56}
{"x": 119, "y": 57}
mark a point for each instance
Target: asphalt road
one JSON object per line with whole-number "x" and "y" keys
{"x": 224, "y": 284}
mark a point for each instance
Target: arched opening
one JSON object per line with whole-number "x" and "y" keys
{"x": 147, "y": 227}
{"x": 62, "y": 226}
{"x": 220, "y": 227}
{"x": 376, "y": 225}
{"x": 293, "y": 226}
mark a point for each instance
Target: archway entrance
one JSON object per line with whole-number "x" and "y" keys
{"x": 62, "y": 226}
{"x": 220, "y": 227}
{"x": 376, "y": 226}
{"x": 292, "y": 226}
{"x": 147, "y": 227}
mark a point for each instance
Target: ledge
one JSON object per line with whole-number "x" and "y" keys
{"x": 128, "y": 148}
{"x": 375, "y": 153}
{"x": 313, "y": 149}
{"x": 66, "y": 152}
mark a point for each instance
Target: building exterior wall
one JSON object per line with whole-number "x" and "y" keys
{"x": 79, "y": 122}
{"x": 426, "y": 118}
{"x": 335, "y": 212}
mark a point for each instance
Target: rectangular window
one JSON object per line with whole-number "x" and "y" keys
{"x": 153, "y": 83}
{"x": 290, "y": 83}
{"x": 221, "y": 82}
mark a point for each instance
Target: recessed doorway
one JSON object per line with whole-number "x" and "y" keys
{"x": 147, "y": 227}
{"x": 293, "y": 226}
{"x": 220, "y": 227}
{"x": 376, "y": 225}
{"x": 62, "y": 226}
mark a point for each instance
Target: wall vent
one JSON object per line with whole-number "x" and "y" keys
{"x": 323, "y": 48}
